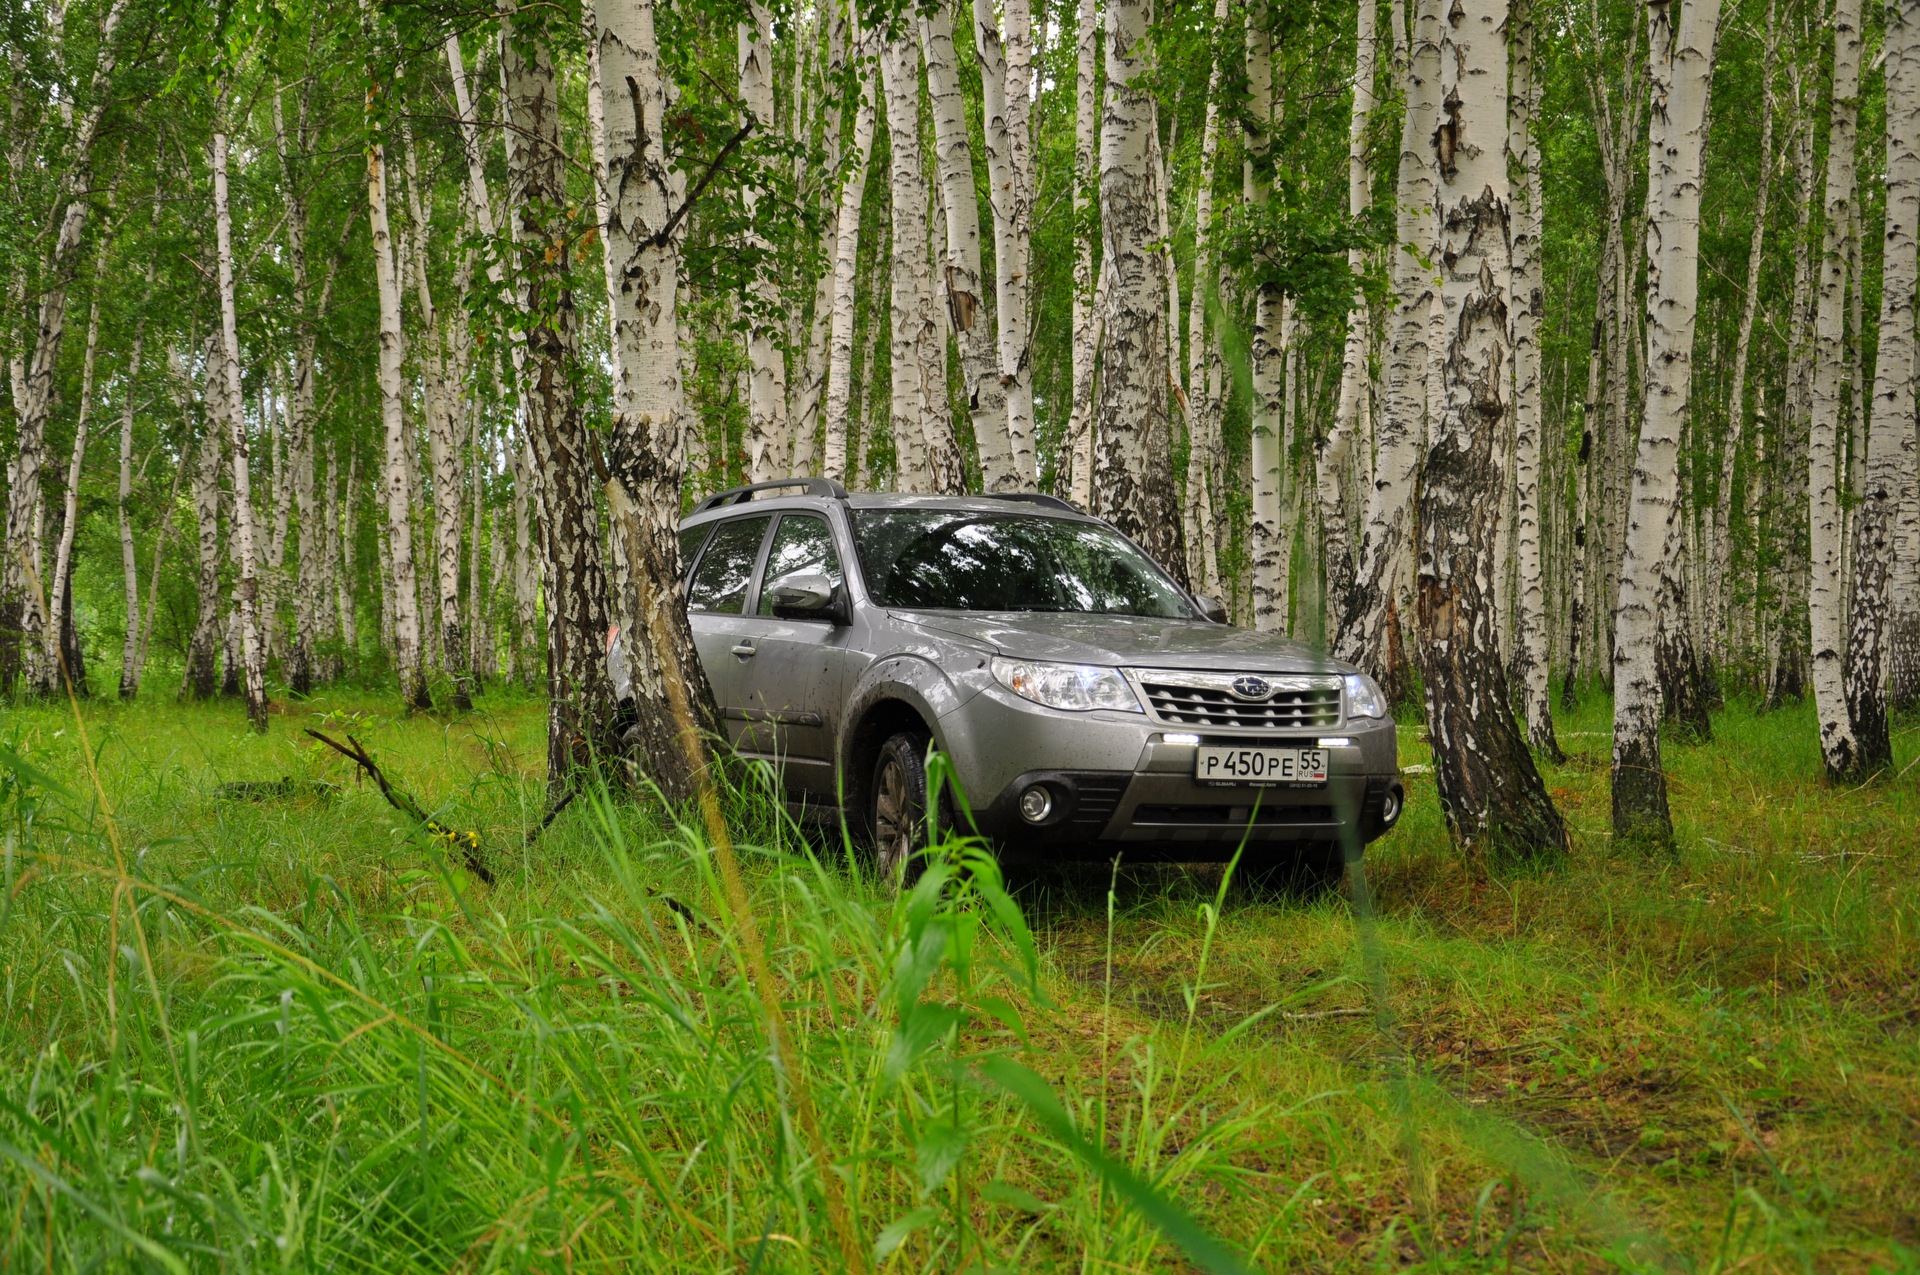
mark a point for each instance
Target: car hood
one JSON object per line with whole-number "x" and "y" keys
{"x": 1132, "y": 641}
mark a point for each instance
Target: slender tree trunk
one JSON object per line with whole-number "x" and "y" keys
{"x": 1269, "y": 537}
{"x": 846, "y": 256}
{"x": 1368, "y": 630}
{"x": 1529, "y": 419}
{"x": 1891, "y": 461}
{"x": 129, "y": 562}
{"x": 1133, "y": 463}
{"x": 767, "y": 381}
{"x": 1489, "y": 789}
{"x": 1086, "y": 315}
{"x": 986, "y": 396}
{"x": 201, "y": 676}
{"x": 646, "y": 454}
{"x": 1203, "y": 564}
{"x": 1006, "y": 71}
{"x": 405, "y": 609}
{"x": 247, "y": 587}
{"x": 60, "y": 591}
{"x": 1680, "y": 68}
{"x": 1826, "y": 604}
{"x": 1720, "y": 557}
{"x": 1333, "y": 455}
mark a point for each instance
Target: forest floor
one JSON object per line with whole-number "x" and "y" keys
{"x": 318, "y": 1036}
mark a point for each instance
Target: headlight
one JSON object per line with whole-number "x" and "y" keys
{"x": 1078, "y": 687}
{"x": 1364, "y": 697}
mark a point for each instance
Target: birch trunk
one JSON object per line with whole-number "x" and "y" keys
{"x": 1720, "y": 554}
{"x": 1334, "y": 453}
{"x": 767, "y": 377}
{"x": 1203, "y": 562}
{"x": 1085, "y": 313}
{"x": 1491, "y": 793}
{"x": 201, "y": 676}
{"x": 1825, "y": 601}
{"x": 1529, "y": 424}
{"x": 1006, "y": 72}
{"x": 60, "y": 590}
{"x": 646, "y": 453}
{"x": 918, "y": 402}
{"x": 806, "y": 416}
{"x": 33, "y": 388}
{"x": 442, "y": 377}
{"x": 960, "y": 266}
{"x": 1680, "y": 67}
{"x": 246, "y": 588}
{"x": 129, "y": 563}
{"x": 1133, "y": 461}
{"x": 579, "y": 695}
{"x": 1368, "y": 631}
{"x": 846, "y": 257}
{"x": 1891, "y": 460}
{"x": 1269, "y": 539}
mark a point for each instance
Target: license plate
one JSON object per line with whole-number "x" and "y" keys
{"x": 1224, "y": 767}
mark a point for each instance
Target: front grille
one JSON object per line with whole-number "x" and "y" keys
{"x": 1194, "y": 699}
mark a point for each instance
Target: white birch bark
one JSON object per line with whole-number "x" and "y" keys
{"x": 1334, "y": 452}
{"x": 1891, "y": 460}
{"x": 247, "y": 586}
{"x": 199, "y": 681}
{"x": 1489, "y": 788}
{"x": 1529, "y": 423}
{"x": 767, "y": 366}
{"x": 1825, "y": 600}
{"x": 129, "y": 561}
{"x": 1133, "y": 463}
{"x": 960, "y": 266}
{"x": 1269, "y": 538}
{"x": 846, "y": 257}
{"x": 807, "y": 412}
{"x": 398, "y": 493}
{"x": 1005, "y": 79}
{"x": 1368, "y": 634}
{"x": 1085, "y": 313}
{"x": 1680, "y": 65}
{"x": 1203, "y": 559}
{"x": 59, "y": 587}
{"x": 916, "y": 403}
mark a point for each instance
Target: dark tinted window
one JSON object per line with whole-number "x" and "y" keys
{"x": 954, "y": 560}
{"x": 802, "y": 543}
{"x": 720, "y": 581}
{"x": 691, "y": 538}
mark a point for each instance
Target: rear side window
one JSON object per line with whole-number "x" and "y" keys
{"x": 719, "y": 583}
{"x": 691, "y": 538}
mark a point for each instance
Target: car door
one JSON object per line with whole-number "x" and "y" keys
{"x": 723, "y": 632}
{"x": 795, "y": 682}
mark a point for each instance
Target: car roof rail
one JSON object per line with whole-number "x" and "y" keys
{"x": 1035, "y": 498}
{"x": 740, "y": 495}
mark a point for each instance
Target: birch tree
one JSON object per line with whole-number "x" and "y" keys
{"x": 767, "y": 443}
{"x": 1680, "y": 69}
{"x": 1133, "y": 483}
{"x": 1491, "y": 793}
{"x": 1203, "y": 420}
{"x": 1826, "y": 604}
{"x": 846, "y": 255}
{"x": 1085, "y": 315}
{"x": 1006, "y": 76}
{"x": 1891, "y": 461}
{"x": 1268, "y": 543}
{"x": 60, "y": 589}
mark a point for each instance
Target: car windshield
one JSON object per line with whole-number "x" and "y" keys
{"x": 959, "y": 560}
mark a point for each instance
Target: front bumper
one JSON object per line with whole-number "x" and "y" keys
{"x": 1118, "y": 783}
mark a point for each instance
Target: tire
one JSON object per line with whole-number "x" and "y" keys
{"x": 1307, "y": 871}
{"x": 897, "y": 808}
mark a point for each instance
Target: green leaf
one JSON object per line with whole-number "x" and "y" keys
{"x": 896, "y": 1232}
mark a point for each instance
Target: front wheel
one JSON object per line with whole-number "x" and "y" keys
{"x": 898, "y": 807}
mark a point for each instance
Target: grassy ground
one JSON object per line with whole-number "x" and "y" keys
{"x": 279, "y": 1029}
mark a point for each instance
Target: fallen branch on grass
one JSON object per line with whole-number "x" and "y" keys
{"x": 468, "y": 843}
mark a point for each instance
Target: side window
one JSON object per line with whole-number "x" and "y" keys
{"x": 719, "y": 583}
{"x": 803, "y": 543}
{"x": 690, "y": 541}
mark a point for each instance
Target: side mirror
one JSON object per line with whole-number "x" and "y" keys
{"x": 1211, "y": 607}
{"x": 805, "y": 595}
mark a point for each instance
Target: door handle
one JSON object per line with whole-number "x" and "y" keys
{"x": 743, "y": 649}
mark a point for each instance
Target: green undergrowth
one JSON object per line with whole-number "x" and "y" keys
{"x": 276, "y": 1028}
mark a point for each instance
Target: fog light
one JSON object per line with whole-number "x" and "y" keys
{"x": 1390, "y": 807}
{"x": 1036, "y": 803}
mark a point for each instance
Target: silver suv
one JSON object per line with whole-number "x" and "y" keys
{"x": 1087, "y": 705}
